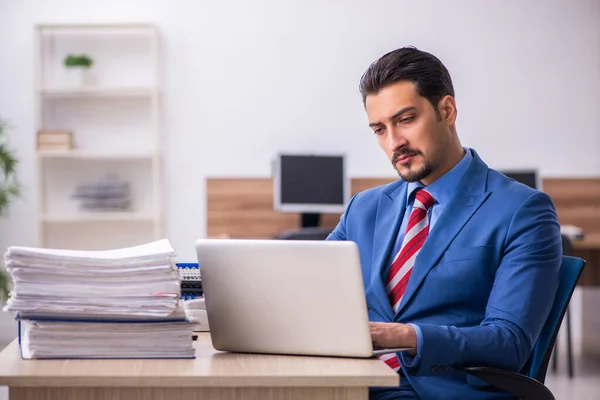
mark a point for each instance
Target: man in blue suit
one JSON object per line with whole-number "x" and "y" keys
{"x": 459, "y": 262}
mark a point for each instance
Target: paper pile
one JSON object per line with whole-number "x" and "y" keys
{"x": 106, "y": 304}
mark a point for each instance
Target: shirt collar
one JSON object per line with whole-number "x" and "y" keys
{"x": 442, "y": 189}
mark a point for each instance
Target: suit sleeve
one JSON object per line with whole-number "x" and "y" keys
{"x": 339, "y": 233}
{"x": 524, "y": 287}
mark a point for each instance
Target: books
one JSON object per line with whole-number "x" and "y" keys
{"x": 73, "y": 303}
{"x": 107, "y": 194}
{"x": 54, "y": 140}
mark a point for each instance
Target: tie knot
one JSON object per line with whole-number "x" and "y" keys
{"x": 423, "y": 199}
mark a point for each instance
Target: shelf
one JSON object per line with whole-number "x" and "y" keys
{"x": 123, "y": 25}
{"x": 115, "y": 116}
{"x": 94, "y": 155}
{"x": 98, "y": 216}
{"x": 98, "y": 91}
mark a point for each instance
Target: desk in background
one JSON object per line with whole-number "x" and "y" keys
{"x": 589, "y": 249}
{"x": 243, "y": 207}
{"x": 212, "y": 375}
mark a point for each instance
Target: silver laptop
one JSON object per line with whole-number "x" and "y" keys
{"x": 286, "y": 297}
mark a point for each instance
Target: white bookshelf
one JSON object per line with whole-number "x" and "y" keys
{"x": 115, "y": 120}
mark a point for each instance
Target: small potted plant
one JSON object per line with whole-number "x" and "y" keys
{"x": 9, "y": 189}
{"x": 78, "y": 66}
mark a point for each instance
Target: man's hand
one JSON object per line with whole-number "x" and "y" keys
{"x": 392, "y": 334}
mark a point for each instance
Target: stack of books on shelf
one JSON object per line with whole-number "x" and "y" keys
{"x": 122, "y": 303}
{"x": 108, "y": 194}
{"x": 54, "y": 140}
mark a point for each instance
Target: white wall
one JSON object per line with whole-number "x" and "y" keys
{"x": 243, "y": 80}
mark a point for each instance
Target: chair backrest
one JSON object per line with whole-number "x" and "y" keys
{"x": 570, "y": 271}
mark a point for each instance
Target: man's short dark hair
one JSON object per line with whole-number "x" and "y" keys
{"x": 426, "y": 71}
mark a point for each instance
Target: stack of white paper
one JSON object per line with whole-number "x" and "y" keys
{"x": 55, "y": 339}
{"x": 85, "y": 303}
{"x": 138, "y": 281}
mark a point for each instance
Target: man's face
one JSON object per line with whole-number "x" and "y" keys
{"x": 408, "y": 129}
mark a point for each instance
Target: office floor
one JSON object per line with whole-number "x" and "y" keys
{"x": 585, "y": 385}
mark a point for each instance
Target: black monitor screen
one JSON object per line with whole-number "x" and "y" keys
{"x": 312, "y": 179}
{"x": 528, "y": 178}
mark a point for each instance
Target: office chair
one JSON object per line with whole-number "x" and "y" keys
{"x": 567, "y": 251}
{"x": 529, "y": 383}
{"x": 317, "y": 233}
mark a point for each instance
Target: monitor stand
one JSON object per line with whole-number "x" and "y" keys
{"x": 310, "y": 220}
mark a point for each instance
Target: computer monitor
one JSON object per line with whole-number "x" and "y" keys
{"x": 529, "y": 177}
{"x": 310, "y": 185}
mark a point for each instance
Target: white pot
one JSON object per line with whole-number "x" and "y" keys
{"x": 77, "y": 76}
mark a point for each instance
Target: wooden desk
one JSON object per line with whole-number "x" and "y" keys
{"x": 589, "y": 250}
{"x": 590, "y": 242}
{"x": 212, "y": 375}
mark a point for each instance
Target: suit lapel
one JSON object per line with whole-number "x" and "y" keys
{"x": 469, "y": 197}
{"x": 389, "y": 217}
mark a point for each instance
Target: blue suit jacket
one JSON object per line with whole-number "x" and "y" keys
{"x": 482, "y": 285}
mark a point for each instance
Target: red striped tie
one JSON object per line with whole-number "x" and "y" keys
{"x": 402, "y": 266}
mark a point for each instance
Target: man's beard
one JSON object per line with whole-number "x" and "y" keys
{"x": 415, "y": 176}
{"x": 412, "y": 176}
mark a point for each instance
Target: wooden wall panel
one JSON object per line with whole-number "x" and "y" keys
{"x": 244, "y": 207}
{"x": 577, "y": 201}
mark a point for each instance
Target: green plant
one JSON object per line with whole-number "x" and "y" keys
{"x": 9, "y": 189}
{"x": 4, "y": 286}
{"x": 78, "y": 60}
